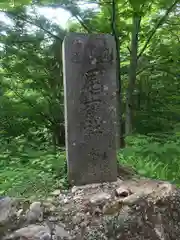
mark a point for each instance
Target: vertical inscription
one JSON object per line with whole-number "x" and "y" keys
{"x": 92, "y": 50}
{"x": 77, "y": 51}
{"x": 96, "y": 154}
{"x": 99, "y": 51}
{"x": 91, "y": 101}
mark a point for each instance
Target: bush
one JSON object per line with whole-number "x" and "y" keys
{"x": 27, "y": 171}
{"x": 153, "y": 157}
{"x": 35, "y": 171}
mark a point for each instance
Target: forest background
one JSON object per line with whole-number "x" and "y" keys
{"x": 32, "y": 143}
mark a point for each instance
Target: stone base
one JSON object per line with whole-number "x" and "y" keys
{"x": 133, "y": 209}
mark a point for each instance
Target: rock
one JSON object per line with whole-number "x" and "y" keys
{"x": 7, "y": 209}
{"x": 112, "y": 208}
{"x": 122, "y": 192}
{"x": 99, "y": 198}
{"x": 19, "y": 213}
{"x": 65, "y": 200}
{"x": 76, "y": 198}
{"x": 97, "y": 211}
{"x": 78, "y": 218}
{"x": 49, "y": 207}
{"x": 85, "y": 187}
{"x": 152, "y": 216}
{"x": 35, "y": 213}
{"x": 33, "y": 232}
{"x": 150, "y": 212}
{"x": 56, "y": 193}
{"x": 35, "y": 207}
{"x": 61, "y": 233}
{"x": 74, "y": 189}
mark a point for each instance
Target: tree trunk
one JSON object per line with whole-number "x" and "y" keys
{"x": 58, "y": 135}
{"x": 132, "y": 73}
{"x": 120, "y": 138}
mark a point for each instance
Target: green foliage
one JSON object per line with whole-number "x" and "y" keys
{"x": 13, "y": 3}
{"x": 27, "y": 171}
{"x": 154, "y": 156}
{"x": 32, "y": 93}
{"x": 31, "y": 90}
{"x": 30, "y": 170}
{"x": 31, "y": 67}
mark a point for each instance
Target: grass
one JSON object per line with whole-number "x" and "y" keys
{"x": 31, "y": 173}
{"x": 154, "y": 158}
{"x": 35, "y": 173}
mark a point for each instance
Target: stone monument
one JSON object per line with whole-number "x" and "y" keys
{"x": 89, "y": 65}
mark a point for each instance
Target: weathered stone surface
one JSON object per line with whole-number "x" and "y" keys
{"x": 99, "y": 198}
{"x": 150, "y": 212}
{"x": 90, "y": 107}
{"x": 122, "y": 192}
{"x": 34, "y": 213}
{"x": 61, "y": 233}
{"x": 6, "y": 209}
{"x": 35, "y": 232}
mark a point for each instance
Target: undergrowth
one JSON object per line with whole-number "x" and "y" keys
{"x": 34, "y": 171}
{"x": 154, "y": 157}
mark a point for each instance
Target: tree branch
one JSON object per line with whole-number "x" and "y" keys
{"x": 76, "y": 16}
{"x": 83, "y": 24}
{"x": 153, "y": 67}
{"x": 43, "y": 115}
{"x": 33, "y": 23}
{"x": 161, "y": 21}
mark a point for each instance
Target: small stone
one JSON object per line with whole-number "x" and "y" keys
{"x": 97, "y": 211}
{"x": 86, "y": 207}
{"x": 35, "y": 213}
{"x": 113, "y": 208}
{"x": 47, "y": 204}
{"x": 65, "y": 191}
{"x": 19, "y": 213}
{"x": 84, "y": 224}
{"x": 56, "y": 193}
{"x": 50, "y": 208}
{"x": 66, "y": 200}
{"x": 7, "y": 210}
{"x": 35, "y": 206}
{"x": 78, "y": 218}
{"x": 75, "y": 189}
{"x": 61, "y": 233}
{"x": 38, "y": 232}
{"x": 99, "y": 198}
{"x": 61, "y": 197}
{"x": 75, "y": 198}
{"x": 122, "y": 192}
{"x": 76, "y": 228}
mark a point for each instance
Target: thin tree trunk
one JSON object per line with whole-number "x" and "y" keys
{"x": 132, "y": 73}
{"x": 139, "y": 96}
{"x": 120, "y": 138}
